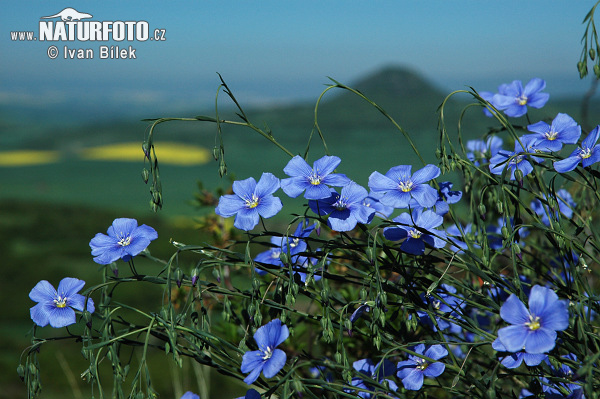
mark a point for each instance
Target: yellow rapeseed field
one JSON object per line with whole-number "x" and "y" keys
{"x": 167, "y": 153}
{"x": 27, "y": 158}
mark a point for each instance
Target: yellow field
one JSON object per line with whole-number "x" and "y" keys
{"x": 27, "y": 158}
{"x": 167, "y": 153}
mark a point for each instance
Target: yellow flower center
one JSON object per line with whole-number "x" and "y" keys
{"x": 551, "y": 135}
{"x": 533, "y": 323}
{"x": 421, "y": 364}
{"x": 522, "y": 100}
{"x": 124, "y": 241}
{"x": 252, "y": 202}
{"x": 414, "y": 233}
{"x": 405, "y": 186}
{"x": 61, "y": 302}
{"x": 315, "y": 179}
{"x": 585, "y": 153}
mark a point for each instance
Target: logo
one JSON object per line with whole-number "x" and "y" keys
{"x": 71, "y": 25}
{"x": 70, "y": 14}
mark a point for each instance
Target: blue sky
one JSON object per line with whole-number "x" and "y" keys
{"x": 279, "y": 51}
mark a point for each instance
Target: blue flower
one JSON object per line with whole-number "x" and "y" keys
{"x": 125, "y": 240}
{"x": 55, "y": 307}
{"x": 457, "y": 244}
{"x": 514, "y": 360}
{"x": 480, "y": 152}
{"x": 533, "y": 330}
{"x": 565, "y": 372}
{"x": 550, "y": 138}
{"x": 267, "y": 358}
{"x": 314, "y": 180}
{"x": 384, "y": 368}
{"x": 413, "y": 371}
{"x": 345, "y": 210}
{"x": 372, "y": 200}
{"x": 190, "y": 395}
{"x": 399, "y": 186}
{"x": 292, "y": 245}
{"x": 565, "y": 206}
{"x": 250, "y": 201}
{"x": 250, "y": 394}
{"x": 445, "y": 304}
{"x": 514, "y": 160}
{"x": 515, "y": 99}
{"x": 445, "y": 197}
{"x": 588, "y": 154}
{"x": 418, "y": 229}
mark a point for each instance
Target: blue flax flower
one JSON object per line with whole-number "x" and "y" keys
{"x": 533, "y": 330}
{"x": 384, "y": 368}
{"x": 588, "y": 154}
{"x": 399, "y": 186}
{"x": 514, "y": 160}
{"x": 55, "y": 307}
{"x": 550, "y": 138}
{"x": 445, "y": 197}
{"x": 125, "y": 240}
{"x": 190, "y": 395}
{"x": 267, "y": 358}
{"x": 565, "y": 206}
{"x": 514, "y": 360}
{"x": 515, "y": 99}
{"x": 418, "y": 229}
{"x": 345, "y": 210}
{"x": 412, "y": 372}
{"x": 292, "y": 245}
{"x": 250, "y": 394}
{"x": 313, "y": 181}
{"x": 250, "y": 201}
{"x": 446, "y": 304}
{"x": 480, "y": 152}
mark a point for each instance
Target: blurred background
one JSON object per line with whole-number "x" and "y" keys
{"x": 71, "y": 129}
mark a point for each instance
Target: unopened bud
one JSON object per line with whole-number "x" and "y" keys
{"x": 178, "y": 277}
{"x": 145, "y": 175}
{"x": 592, "y": 54}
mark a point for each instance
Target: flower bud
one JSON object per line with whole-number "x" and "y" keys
{"x": 592, "y": 54}
{"x": 597, "y": 71}
{"x": 178, "y": 277}
{"x": 217, "y": 274}
{"x": 145, "y": 175}
{"x": 215, "y": 152}
{"x": 195, "y": 276}
{"x": 482, "y": 211}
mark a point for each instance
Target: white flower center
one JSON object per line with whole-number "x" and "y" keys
{"x": 405, "y": 186}
{"x": 275, "y": 253}
{"x": 585, "y": 153}
{"x": 340, "y": 204}
{"x": 522, "y": 99}
{"x": 252, "y": 202}
{"x": 61, "y": 301}
{"x": 533, "y": 323}
{"x": 315, "y": 178}
{"x": 516, "y": 159}
{"x": 414, "y": 233}
{"x": 421, "y": 364}
{"x": 551, "y": 135}
{"x": 124, "y": 240}
{"x": 267, "y": 353}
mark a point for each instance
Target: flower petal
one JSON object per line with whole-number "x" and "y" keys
{"x": 267, "y": 185}
{"x": 513, "y": 311}
{"x": 567, "y": 164}
{"x": 436, "y": 352}
{"x": 541, "y": 340}
{"x": 60, "y": 317}
{"x": 414, "y": 380}
{"x": 513, "y": 337}
{"x": 269, "y": 206}
{"x": 274, "y": 363}
{"x": 326, "y": 165}
{"x": 434, "y": 369}
{"x": 43, "y": 292}
{"x": 297, "y": 166}
{"x": 425, "y": 174}
{"x": 381, "y": 183}
{"x": 229, "y": 205}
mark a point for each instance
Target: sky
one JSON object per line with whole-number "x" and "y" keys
{"x": 276, "y": 51}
